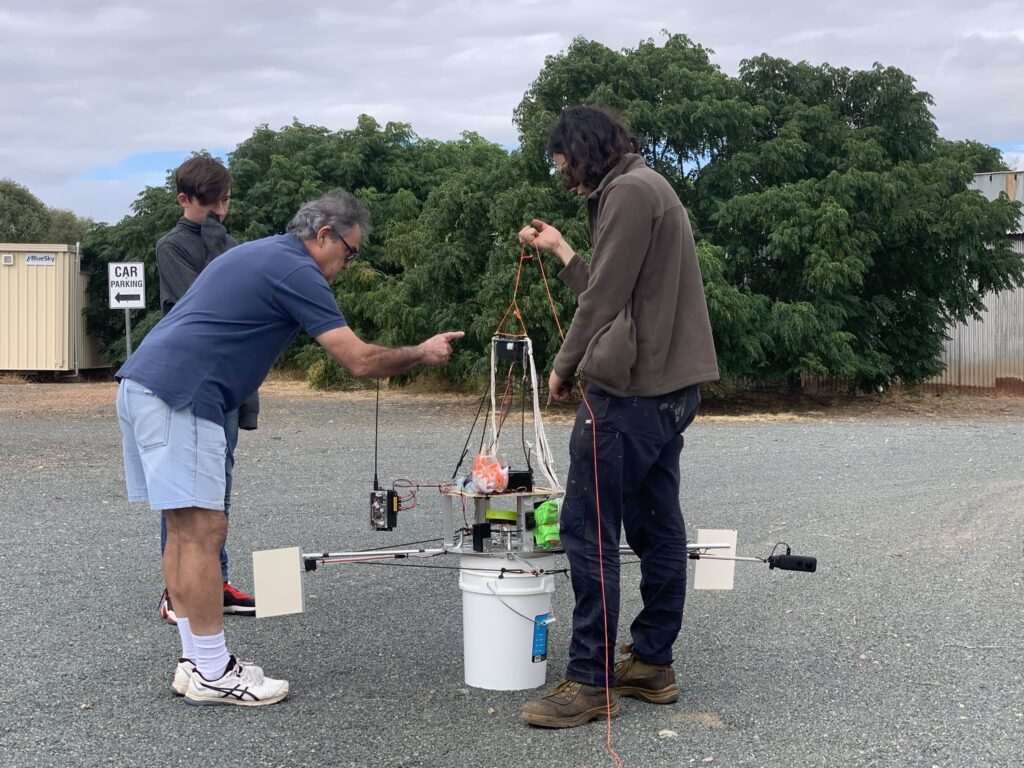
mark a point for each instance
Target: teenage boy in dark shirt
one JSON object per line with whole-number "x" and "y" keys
{"x": 204, "y": 193}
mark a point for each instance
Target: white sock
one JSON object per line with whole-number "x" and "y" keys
{"x": 188, "y": 648}
{"x": 211, "y": 655}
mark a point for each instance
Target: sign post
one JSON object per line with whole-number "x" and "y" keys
{"x": 126, "y": 282}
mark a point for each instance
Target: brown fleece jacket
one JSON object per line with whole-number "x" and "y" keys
{"x": 641, "y": 327}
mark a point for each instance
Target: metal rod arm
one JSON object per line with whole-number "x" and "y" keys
{"x": 378, "y": 554}
{"x": 701, "y": 556}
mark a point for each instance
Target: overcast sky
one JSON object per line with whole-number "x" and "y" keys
{"x": 100, "y": 99}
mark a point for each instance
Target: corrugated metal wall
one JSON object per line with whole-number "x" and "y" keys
{"x": 1009, "y": 183}
{"x": 35, "y": 307}
{"x": 989, "y": 353}
{"x": 89, "y": 355}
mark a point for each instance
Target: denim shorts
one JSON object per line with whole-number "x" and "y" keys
{"x": 172, "y": 459}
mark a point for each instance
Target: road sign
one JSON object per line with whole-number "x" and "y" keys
{"x": 127, "y": 284}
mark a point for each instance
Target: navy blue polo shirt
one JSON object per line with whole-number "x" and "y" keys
{"x": 215, "y": 347}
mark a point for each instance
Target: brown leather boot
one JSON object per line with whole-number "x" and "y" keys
{"x": 655, "y": 683}
{"x": 570, "y": 704}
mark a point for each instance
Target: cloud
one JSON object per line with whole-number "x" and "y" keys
{"x": 1014, "y": 160}
{"x": 91, "y": 88}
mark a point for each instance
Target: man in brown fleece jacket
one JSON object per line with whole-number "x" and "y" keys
{"x": 641, "y": 341}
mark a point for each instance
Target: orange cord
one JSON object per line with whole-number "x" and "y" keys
{"x": 513, "y": 307}
{"x": 604, "y": 598}
{"x": 551, "y": 300}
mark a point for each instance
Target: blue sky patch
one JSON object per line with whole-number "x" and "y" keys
{"x": 144, "y": 165}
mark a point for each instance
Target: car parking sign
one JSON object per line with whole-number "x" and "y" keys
{"x": 127, "y": 285}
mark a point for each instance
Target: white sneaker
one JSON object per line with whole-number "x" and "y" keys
{"x": 242, "y": 684}
{"x": 182, "y": 675}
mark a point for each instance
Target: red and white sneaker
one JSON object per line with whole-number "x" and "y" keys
{"x": 166, "y": 609}
{"x": 237, "y": 601}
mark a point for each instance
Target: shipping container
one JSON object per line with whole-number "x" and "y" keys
{"x": 43, "y": 292}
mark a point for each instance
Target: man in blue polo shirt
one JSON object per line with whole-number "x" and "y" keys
{"x": 205, "y": 359}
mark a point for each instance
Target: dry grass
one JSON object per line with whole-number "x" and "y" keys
{"x": 19, "y": 395}
{"x": 896, "y": 404}
{"x": 286, "y": 374}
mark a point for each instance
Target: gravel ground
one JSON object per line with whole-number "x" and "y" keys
{"x": 902, "y": 650}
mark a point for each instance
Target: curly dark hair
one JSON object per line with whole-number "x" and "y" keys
{"x": 593, "y": 140}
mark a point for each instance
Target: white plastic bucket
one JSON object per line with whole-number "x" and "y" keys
{"x": 505, "y": 618}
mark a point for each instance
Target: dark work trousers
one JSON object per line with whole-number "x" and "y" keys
{"x": 638, "y": 443}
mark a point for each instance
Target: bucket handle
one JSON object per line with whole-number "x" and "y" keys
{"x": 549, "y": 620}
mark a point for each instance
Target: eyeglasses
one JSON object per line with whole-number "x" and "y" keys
{"x": 353, "y": 253}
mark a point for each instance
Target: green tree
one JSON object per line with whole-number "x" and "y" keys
{"x": 686, "y": 114}
{"x": 836, "y": 233}
{"x": 849, "y": 221}
{"x": 133, "y": 238}
{"x": 23, "y": 216}
{"x": 66, "y": 227}
{"x": 683, "y": 109}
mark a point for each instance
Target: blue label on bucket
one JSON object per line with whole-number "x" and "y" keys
{"x": 540, "y": 638}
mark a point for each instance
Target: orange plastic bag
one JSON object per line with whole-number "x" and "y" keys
{"x": 490, "y": 473}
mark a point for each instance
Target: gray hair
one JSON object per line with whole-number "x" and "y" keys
{"x": 338, "y": 209}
